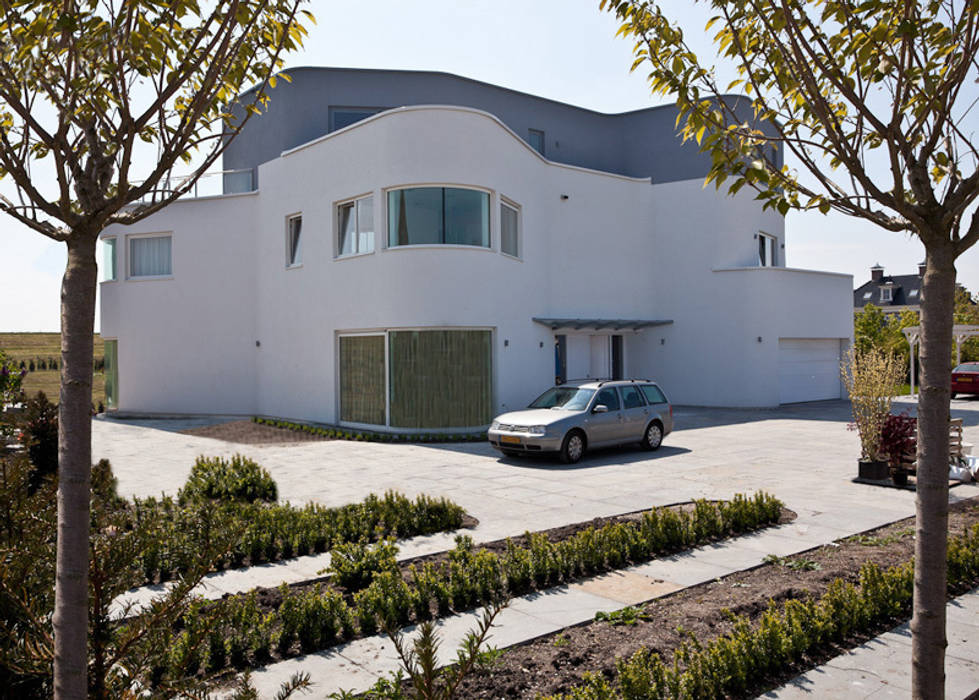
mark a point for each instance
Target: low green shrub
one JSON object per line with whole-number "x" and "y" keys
{"x": 354, "y": 565}
{"x": 360, "y": 436}
{"x": 470, "y": 577}
{"x": 737, "y": 661}
{"x": 238, "y": 479}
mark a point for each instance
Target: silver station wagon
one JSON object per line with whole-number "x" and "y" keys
{"x": 570, "y": 418}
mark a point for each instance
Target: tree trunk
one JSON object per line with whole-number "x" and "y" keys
{"x": 931, "y": 523}
{"x": 74, "y": 468}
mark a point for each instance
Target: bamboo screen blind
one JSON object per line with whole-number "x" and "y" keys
{"x": 362, "y": 379}
{"x": 111, "y": 373}
{"x": 440, "y": 379}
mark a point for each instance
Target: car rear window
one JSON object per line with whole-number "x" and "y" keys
{"x": 653, "y": 394}
{"x": 971, "y": 367}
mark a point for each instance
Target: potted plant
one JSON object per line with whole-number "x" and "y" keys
{"x": 870, "y": 377}
{"x": 898, "y": 440}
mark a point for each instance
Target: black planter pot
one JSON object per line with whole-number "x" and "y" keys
{"x": 877, "y": 470}
{"x": 900, "y": 477}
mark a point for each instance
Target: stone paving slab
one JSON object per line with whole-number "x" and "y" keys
{"x": 881, "y": 668}
{"x": 626, "y": 587}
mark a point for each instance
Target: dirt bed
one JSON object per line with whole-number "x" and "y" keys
{"x": 555, "y": 663}
{"x": 248, "y": 432}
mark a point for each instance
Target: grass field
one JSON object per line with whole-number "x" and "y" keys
{"x": 37, "y": 346}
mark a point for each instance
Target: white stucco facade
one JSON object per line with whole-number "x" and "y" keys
{"x": 234, "y": 330}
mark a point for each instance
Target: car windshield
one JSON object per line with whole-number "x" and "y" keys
{"x": 568, "y": 398}
{"x": 970, "y": 367}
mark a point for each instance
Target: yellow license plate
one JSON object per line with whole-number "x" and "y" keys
{"x": 963, "y": 379}
{"x": 510, "y": 439}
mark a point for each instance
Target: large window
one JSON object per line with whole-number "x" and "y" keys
{"x": 341, "y": 117}
{"x": 438, "y": 216}
{"x": 509, "y": 240}
{"x": 427, "y": 379}
{"x": 108, "y": 259}
{"x": 294, "y": 240}
{"x": 356, "y": 227}
{"x": 150, "y": 256}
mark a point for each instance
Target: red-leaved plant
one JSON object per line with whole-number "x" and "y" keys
{"x": 898, "y": 436}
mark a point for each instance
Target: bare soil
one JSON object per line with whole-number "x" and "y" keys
{"x": 248, "y": 432}
{"x": 555, "y": 663}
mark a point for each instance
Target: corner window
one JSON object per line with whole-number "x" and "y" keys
{"x": 509, "y": 240}
{"x": 535, "y": 137}
{"x": 438, "y": 216}
{"x": 150, "y": 256}
{"x": 886, "y": 294}
{"x": 355, "y": 227}
{"x": 767, "y": 250}
{"x": 108, "y": 259}
{"x": 294, "y": 240}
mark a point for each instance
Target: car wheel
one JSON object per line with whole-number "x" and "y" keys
{"x": 653, "y": 437}
{"x": 573, "y": 447}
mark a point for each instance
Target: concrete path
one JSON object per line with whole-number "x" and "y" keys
{"x": 881, "y": 668}
{"x": 803, "y": 454}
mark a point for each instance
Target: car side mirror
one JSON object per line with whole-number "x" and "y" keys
{"x": 600, "y": 408}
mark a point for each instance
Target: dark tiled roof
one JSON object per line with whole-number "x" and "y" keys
{"x": 906, "y": 291}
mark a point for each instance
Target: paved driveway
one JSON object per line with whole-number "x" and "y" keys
{"x": 803, "y": 454}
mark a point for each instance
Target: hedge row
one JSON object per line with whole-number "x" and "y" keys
{"x": 738, "y": 661}
{"x": 317, "y": 618}
{"x": 271, "y": 532}
{"x": 368, "y": 436}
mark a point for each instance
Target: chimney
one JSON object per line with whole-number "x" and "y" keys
{"x": 876, "y": 273}
{"x": 921, "y": 268}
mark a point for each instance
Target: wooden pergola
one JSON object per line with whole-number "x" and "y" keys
{"x": 959, "y": 335}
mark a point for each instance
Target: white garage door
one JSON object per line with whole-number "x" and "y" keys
{"x": 808, "y": 369}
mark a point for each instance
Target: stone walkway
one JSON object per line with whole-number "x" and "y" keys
{"x": 881, "y": 668}
{"x": 803, "y": 454}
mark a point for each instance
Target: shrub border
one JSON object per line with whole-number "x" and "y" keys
{"x": 336, "y": 432}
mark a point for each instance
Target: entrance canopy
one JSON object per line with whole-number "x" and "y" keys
{"x": 599, "y": 324}
{"x": 959, "y": 334}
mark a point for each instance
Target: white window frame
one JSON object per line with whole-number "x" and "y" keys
{"x": 422, "y": 246}
{"x": 770, "y": 245}
{"x": 509, "y": 204}
{"x": 294, "y": 259}
{"x": 115, "y": 257}
{"x": 889, "y": 296}
{"x": 337, "y": 252}
{"x": 130, "y": 277}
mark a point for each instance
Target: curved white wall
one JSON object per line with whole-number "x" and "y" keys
{"x": 593, "y": 245}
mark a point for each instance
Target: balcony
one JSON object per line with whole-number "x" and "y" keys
{"x": 210, "y": 184}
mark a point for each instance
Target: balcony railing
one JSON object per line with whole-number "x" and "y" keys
{"x": 209, "y": 184}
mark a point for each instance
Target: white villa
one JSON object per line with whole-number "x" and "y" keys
{"x": 418, "y": 251}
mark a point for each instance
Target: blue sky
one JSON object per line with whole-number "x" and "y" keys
{"x": 561, "y": 49}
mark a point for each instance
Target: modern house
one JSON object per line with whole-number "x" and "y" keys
{"x": 419, "y": 251}
{"x": 890, "y": 293}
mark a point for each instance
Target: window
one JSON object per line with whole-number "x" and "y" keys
{"x": 356, "y": 227}
{"x": 108, "y": 259}
{"x": 867, "y": 295}
{"x": 767, "y": 246}
{"x": 913, "y": 293}
{"x": 653, "y": 394}
{"x": 439, "y": 216}
{"x": 509, "y": 241}
{"x": 150, "y": 256}
{"x": 631, "y": 397}
{"x": 294, "y": 240}
{"x": 608, "y": 398}
{"x": 362, "y": 388}
{"x": 341, "y": 117}
{"x": 111, "y": 373}
{"x": 886, "y": 294}
{"x": 535, "y": 137}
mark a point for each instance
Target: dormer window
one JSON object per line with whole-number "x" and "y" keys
{"x": 886, "y": 294}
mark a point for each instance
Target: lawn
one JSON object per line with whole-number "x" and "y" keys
{"x": 35, "y": 347}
